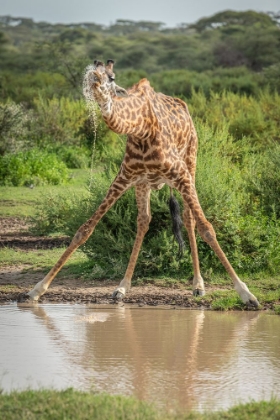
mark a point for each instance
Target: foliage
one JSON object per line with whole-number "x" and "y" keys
{"x": 13, "y": 127}
{"x": 72, "y": 404}
{"x": 264, "y": 183}
{"x": 272, "y": 76}
{"x": 185, "y": 82}
{"x": 253, "y": 122}
{"x": 73, "y": 156}
{"x": 54, "y": 210}
{"x": 53, "y": 57}
{"x": 277, "y": 309}
{"x": 24, "y": 87}
{"x": 32, "y": 168}
{"x": 58, "y": 121}
{"x": 231, "y": 17}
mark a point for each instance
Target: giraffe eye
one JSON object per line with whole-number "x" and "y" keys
{"x": 111, "y": 78}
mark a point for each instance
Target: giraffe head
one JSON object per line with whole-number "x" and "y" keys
{"x": 99, "y": 80}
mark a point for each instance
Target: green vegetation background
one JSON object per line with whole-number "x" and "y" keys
{"x": 226, "y": 67}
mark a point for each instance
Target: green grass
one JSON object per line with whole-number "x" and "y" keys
{"x": 44, "y": 259}
{"x": 222, "y": 300}
{"x": 76, "y": 405}
{"x": 19, "y": 201}
{"x": 277, "y": 309}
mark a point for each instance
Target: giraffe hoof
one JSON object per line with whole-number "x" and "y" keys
{"x": 23, "y": 297}
{"x": 119, "y": 294}
{"x": 198, "y": 292}
{"x": 253, "y": 303}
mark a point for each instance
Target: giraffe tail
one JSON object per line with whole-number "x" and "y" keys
{"x": 176, "y": 222}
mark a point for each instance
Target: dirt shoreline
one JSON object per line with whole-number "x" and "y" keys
{"x": 14, "y": 282}
{"x": 14, "y": 286}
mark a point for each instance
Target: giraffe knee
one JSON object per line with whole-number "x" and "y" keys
{"x": 80, "y": 237}
{"x": 207, "y": 233}
{"x": 144, "y": 222}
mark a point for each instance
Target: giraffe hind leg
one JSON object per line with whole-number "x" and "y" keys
{"x": 142, "y": 192}
{"x": 176, "y": 222}
{"x": 186, "y": 187}
{"x": 189, "y": 222}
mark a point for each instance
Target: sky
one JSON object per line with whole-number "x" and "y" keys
{"x": 106, "y": 12}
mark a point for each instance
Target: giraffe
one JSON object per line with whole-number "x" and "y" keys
{"x": 161, "y": 149}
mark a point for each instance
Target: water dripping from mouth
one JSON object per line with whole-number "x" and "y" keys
{"x": 92, "y": 108}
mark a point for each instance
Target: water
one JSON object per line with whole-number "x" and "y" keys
{"x": 175, "y": 358}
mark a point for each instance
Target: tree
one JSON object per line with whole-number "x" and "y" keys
{"x": 230, "y": 17}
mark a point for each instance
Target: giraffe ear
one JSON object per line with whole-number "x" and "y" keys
{"x": 99, "y": 66}
{"x": 110, "y": 64}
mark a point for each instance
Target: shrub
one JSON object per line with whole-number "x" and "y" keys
{"x": 58, "y": 121}
{"x": 32, "y": 167}
{"x": 13, "y": 127}
{"x": 264, "y": 181}
{"x": 74, "y": 157}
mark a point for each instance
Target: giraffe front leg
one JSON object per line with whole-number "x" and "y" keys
{"x": 143, "y": 220}
{"x": 118, "y": 187}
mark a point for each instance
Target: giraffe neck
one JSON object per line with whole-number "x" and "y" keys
{"x": 103, "y": 97}
{"x": 131, "y": 115}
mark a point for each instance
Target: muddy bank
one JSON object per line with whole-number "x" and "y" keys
{"x": 15, "y": 282}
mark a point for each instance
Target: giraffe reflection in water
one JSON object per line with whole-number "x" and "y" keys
{"x": 187, "y": 359}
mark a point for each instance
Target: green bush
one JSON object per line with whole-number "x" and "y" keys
{"x": 54, "y": 211}
{"x": 254, "y": 117}
{"x": 33, "y": 167}
{"x": 264, "y": 181}
{"x": 14, "y": 120}
{"x": 185, "y": 82}
{"x": 58, "y": 121}
{"x": 74, "y": 157}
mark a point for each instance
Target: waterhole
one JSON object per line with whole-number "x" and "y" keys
{"x": 178, "y": 358}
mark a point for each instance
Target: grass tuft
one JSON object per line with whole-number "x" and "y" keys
{"x": 70, "y": 404}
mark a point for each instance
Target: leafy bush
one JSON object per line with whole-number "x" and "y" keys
{"x": 13, "y": 127}
{"x": 23, "y": 87}
{"x": 54, "y": 211}
{"x": 32, "y": 168}
{"x": 74, "y": 157}
{"x": 264, "y": 181}
{"x": 255, "y": 119}
{"x": 58, "y": 121}
{"x": 185, "y": 82}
